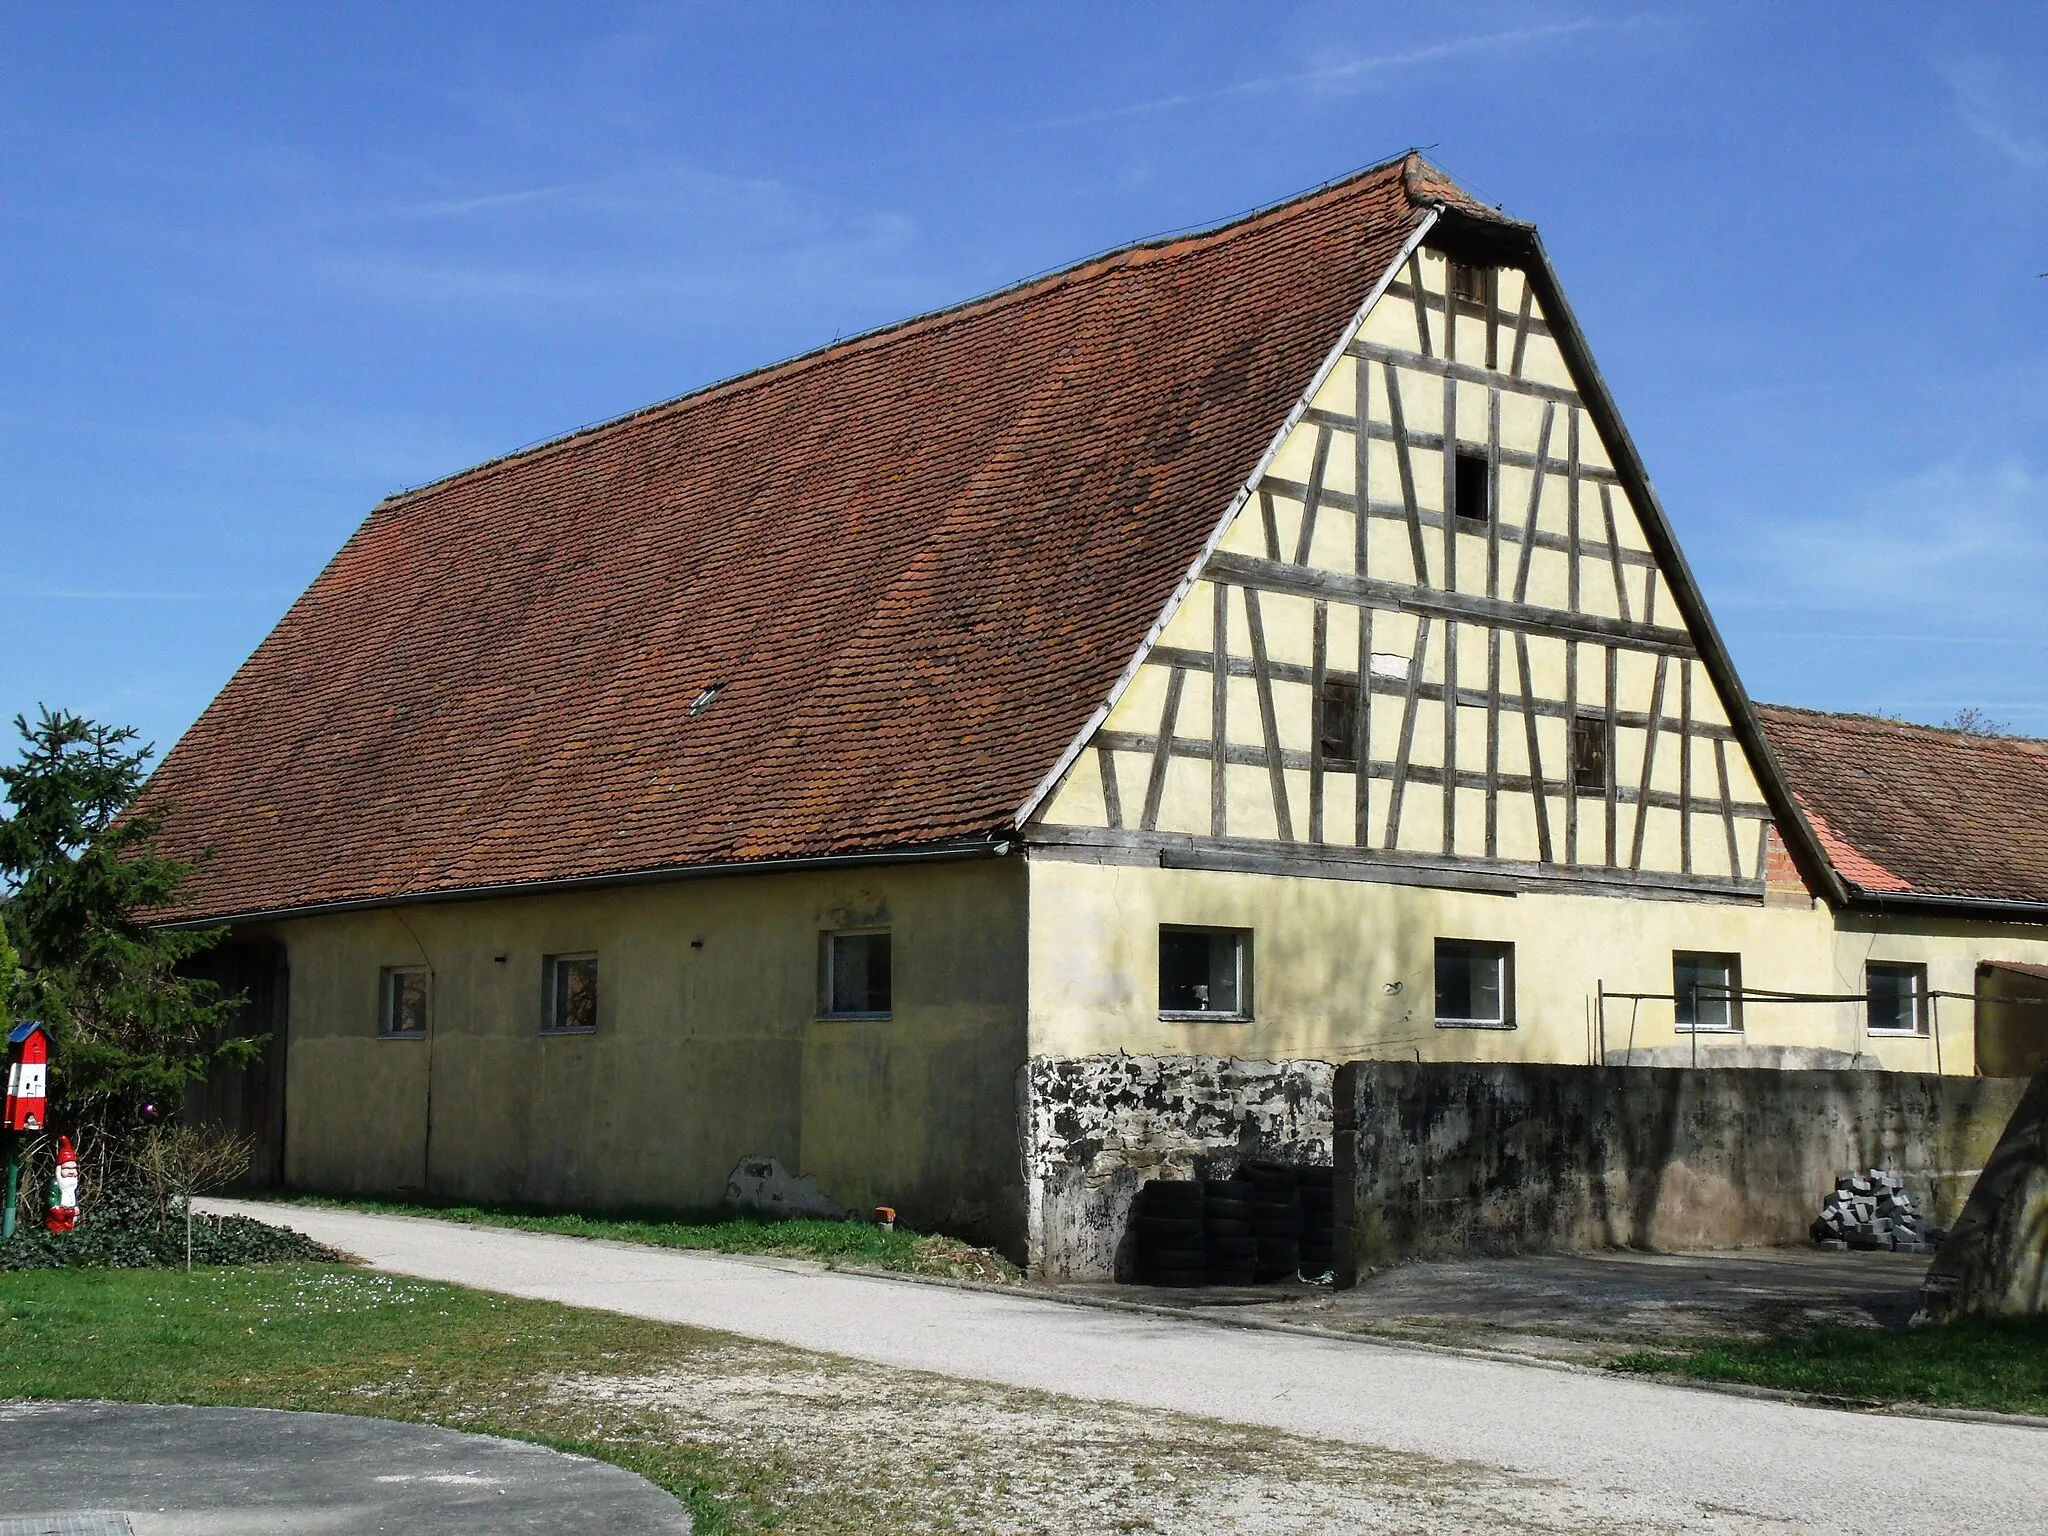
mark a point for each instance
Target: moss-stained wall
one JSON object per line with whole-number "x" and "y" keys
{"x": 710, "y": 1046}
{"x": 1436, "y": 1160}
{"x": 1344, "y": 969}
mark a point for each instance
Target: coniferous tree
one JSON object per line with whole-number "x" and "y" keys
{"x": 79, "y": 879}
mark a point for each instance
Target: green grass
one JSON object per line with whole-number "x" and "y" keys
{"x": 2000, "y": 1365}
{"x": 340, "y": 1340}
{"x": 829, "y": 1242}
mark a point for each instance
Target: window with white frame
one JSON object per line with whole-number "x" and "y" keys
{"x": 1205, "y": 973}
{"x": 1895, "y": 998}
{"x": 1708, "y": 991}
{"x": 1475, "y": 984}
{"x": 858, "y": 975}
{"x": 569, "y": 998}
{"x": 402, "y": 1001}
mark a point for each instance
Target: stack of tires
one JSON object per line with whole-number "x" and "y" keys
{"x": 1233, "y": 1246}
{"x": 1168, "y": 1225}
{"x": 1276, "y": 1218}
{"x": 1318, "y": 1188}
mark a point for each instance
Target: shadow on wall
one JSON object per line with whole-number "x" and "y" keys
{"x": 1449, "y": 1159}
{"x": 1995, "y": 1262}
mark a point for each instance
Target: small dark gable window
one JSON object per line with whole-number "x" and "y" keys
{"x": 1468, "y": 281}
{"x": 1589, "y": 753}
{"x": 1471, "y": 493}
{"x": 1339, "y": 723}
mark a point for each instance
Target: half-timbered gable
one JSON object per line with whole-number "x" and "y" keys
{"x": 1433, "y": 635}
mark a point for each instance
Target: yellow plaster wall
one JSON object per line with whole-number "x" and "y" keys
{"x": 1344, "y": 970}
{"x": 702, "y": 1055}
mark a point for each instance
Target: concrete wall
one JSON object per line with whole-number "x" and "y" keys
{"x": 1096, "y": 1129}
{"x": 1440, "y": 1160}
{"x": 1344, "y": 969}
{"x": 710, "y": 1046}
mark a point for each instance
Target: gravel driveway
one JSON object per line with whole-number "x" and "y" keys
{"x": 1640, "y": 1452}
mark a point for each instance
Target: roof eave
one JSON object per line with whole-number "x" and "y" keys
{"x": 1936, "y": 904}
{"x": 994, "y": 844}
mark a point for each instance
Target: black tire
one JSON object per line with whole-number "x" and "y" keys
{"x": 1228, "y": 1189}
{"x": 1232, "y": 1248}
{"x": 1269, "y": 1176}
{"x": 1216, "y": 1228}
{"x": 1243, "y": 1274}
{"x": 1228, "y": 1210}
{"x": 1176, "y": 1250}
{"x": 1180, "y": 1279}
{"x": 1314, "y": 1199}
{"x": 1166, "y": 1228}
{"x": 1317, "y": 1178}
{"x": 1160, "y": 1194}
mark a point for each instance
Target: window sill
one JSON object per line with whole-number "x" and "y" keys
{"x": 1475, "y": 1023}
{"x": 1198, "y": 1016}
{"x": 1897, "y": 1034}
{"x": 582, "y": 1030}
{"x": 1707, "y": 1029}
{"x": 401, "y": 1034}
{"x": 851, "y": 1018}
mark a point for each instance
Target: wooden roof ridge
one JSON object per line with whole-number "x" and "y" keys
{"x": 1425, "y": 184}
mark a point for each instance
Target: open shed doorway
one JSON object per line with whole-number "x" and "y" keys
{"x": 249, "y": 1101}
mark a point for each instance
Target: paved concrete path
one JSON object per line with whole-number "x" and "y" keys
{"x": 1679, "y": 1451}
{"x": 161, "y": 1471}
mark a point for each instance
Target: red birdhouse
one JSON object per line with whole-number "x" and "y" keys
{"x": 28, "y": 1073}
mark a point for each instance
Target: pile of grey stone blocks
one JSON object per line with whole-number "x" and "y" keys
{"x": 1869, "y": 1211}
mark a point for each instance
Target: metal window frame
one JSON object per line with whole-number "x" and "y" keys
{"x": 386, "y": 976}
{"x": 1733, "y": 987}
{"x": 551, "y": 992}
{"x": 827, "y": 938}
{"x": 1921, "y": 995}
{"x": 1241, "y": 949}
{"x": 1503, "y": 953}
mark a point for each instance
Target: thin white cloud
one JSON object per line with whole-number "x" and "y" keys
{"x": 1347, "y": 72}
{"x": 492, "y": 200}
{"x": 1954, "y": 539}
{"x": 1987, "y": 111}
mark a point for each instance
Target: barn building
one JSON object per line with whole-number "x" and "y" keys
{"x": 1259, "y": 645}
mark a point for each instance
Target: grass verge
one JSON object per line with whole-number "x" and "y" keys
{"x": 1998, "y": 1365}
{"x": 337, "y": 1340}
{"x": 828, "y": 1242}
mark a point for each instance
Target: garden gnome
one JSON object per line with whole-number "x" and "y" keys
{"x": 64, "y": 1189}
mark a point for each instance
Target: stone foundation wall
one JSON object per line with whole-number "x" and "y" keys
{"x": 1096, "y": 1127}
{"x": 1448, "y": 1159}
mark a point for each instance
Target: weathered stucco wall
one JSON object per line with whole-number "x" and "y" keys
{"x": 1096, "y": 1128}
{"x": 1441, "y": 1159}
{"x": 709, "y": 1047}
{"x": 1344, "y": 969}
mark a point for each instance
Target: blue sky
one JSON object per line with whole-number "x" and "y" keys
{"x": 262, "y": 265}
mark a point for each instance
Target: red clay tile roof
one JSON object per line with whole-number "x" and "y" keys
{"x": 916, "y": 561}
{"x": 1908, "y": 809}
